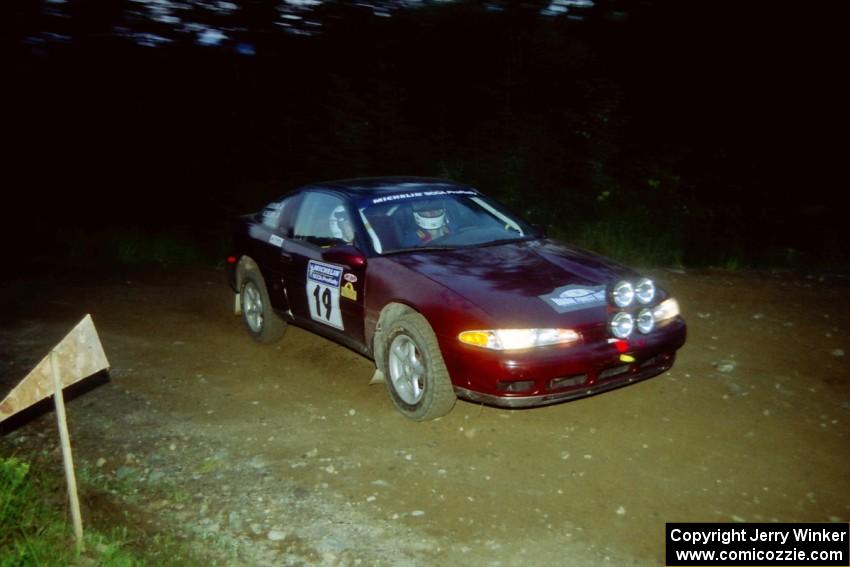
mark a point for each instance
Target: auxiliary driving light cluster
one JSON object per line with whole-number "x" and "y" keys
{"x": 634, "y": 299}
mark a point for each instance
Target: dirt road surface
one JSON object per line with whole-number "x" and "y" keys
{"x": 284, "y": 455}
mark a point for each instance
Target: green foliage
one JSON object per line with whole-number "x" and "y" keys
{"x": 134, "y": 248}
{"x": 630, "y": 239}
{"x": 543, "y": 112}
{"x": 34, "y": 530}
{"x": 26, "y": 537}
{"x": 140, "y": 248}
{"x": 14, "y": 496}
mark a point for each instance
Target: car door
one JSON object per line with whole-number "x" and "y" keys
{"x": 324, "y": 276}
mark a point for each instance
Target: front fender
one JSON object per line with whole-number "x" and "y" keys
{"x": 393, "y": 289}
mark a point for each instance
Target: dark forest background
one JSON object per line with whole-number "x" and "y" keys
{"x": 657, "y": 131}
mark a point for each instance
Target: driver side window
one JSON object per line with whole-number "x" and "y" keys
{"x": 316, "y": 222}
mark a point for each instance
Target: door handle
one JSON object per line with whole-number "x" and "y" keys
{"x": 285, "y": 257}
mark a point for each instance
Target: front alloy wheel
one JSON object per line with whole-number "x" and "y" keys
{"x": 418, "y": 381}
{"x": 407, "y": 373}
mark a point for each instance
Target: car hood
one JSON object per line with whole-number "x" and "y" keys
{"x": 532, "y": 283}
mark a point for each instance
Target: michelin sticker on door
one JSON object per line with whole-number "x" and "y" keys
{"x": 323, "y": 293}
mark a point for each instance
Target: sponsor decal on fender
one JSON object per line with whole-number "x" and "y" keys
{"x": 348, "y": 291}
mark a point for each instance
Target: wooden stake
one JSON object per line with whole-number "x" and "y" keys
{"x": 59, "y": 400}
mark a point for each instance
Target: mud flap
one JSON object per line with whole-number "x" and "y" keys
{"x": 237, "y": 304}
{"x": 377, "y": 377}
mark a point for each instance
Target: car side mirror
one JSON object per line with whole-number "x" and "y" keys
{"x": 346, "y": 255}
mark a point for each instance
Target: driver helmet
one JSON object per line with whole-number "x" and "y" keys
{"x": 429, "y": 215}
{"x": 338, "y": 216}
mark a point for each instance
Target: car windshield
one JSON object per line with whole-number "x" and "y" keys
{"x": 438, "y": 220}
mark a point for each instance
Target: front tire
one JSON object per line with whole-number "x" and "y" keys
{"x": 417, "y": 380}
{"x": 263, "y": 324}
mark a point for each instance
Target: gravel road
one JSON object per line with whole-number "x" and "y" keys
{"x": 285, "y": 455}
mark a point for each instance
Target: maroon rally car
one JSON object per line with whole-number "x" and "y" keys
{"x": 449, "y": 293}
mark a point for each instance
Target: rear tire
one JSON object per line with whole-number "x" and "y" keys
{"x": 417, "y": 380}
{"x": 261, "y": 321}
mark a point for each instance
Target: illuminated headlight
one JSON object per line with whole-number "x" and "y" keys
{"x": 517, "y": 339}
{"x": 623, "y": 294}
{"x": 622, "y": 325}
{"x": 645, "y": 290}
{"x": 645, "y": 320}
{"x": 665, "y": 310}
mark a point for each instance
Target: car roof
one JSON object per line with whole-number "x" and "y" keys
{"x": 372, "y": 186}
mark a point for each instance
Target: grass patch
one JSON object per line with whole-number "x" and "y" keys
{"x": 34, "y": 529}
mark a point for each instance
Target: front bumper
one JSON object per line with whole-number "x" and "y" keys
{"x": 635, "y": 373}
{"x": 557, "y": 375}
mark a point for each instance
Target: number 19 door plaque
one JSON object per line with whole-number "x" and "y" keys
{"x": 323, "y": 293}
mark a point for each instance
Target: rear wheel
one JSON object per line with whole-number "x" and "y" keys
{"x": 417, "y": 380}
{"x": 262, "y": 323}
